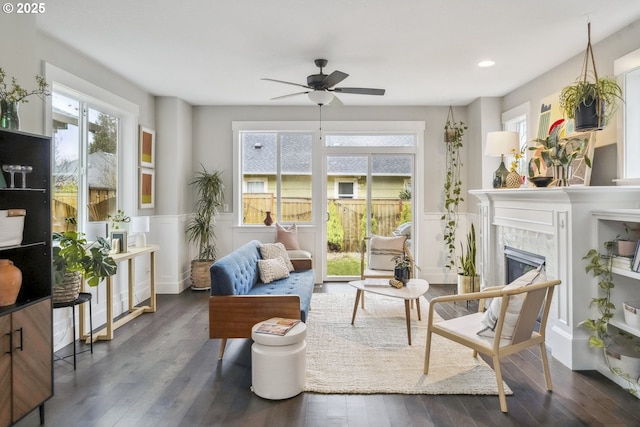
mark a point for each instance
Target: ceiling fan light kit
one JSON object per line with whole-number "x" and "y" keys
{"x": 320, "y": 86}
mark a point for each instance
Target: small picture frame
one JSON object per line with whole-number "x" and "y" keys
{"x": 118, "y": 241}
{"x": 147, "y": 147}
{"x": 147, "y": 181}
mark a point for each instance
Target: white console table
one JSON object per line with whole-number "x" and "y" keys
{"x": 134, "y": 311}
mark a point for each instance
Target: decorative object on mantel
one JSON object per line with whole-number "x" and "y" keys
{"x": 500, "y": 143}
{"x": 600, "y": 266}
{"x": 453, "y": 133}
{"x": 541, "y": 181}
{"x": 11, "y": 95}
{"x": 201, "y": 226}
{"x": 514, "y": 180}
{"x": 559, "y": 153}
{"x": 590, "y": 103}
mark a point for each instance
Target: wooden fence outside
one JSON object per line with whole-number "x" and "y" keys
{"x": 387, "y": 214}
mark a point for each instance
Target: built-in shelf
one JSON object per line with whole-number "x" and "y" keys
{"x": 24, "y": 245}
{"x": 37, "y": 190}
{"x": 627, "y": 273}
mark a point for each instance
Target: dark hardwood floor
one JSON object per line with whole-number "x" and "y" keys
{"x": 162, "y": 370}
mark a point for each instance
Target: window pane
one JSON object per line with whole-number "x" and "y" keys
{"x": 295, "y": 176}
{"x": 259, "y": 164}
{"x": 102, "y": 165}
{"x": 66, "y": 158}
{"x": 393, "y": 140}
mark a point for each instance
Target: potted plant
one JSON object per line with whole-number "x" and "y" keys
{"x": 559, "y": 153}
{"x": 402, "y": 268}
{"x": 600, "y": 266}
{"x": 12, "y": 94}
{"x": 119, "y": 220}
{"x": 590, "y": 103}
{"x": 74, "y": 259}
{"x": 468, "y": 280}
{"x": 200, "y": 228}
{"x": 453, "y": 133}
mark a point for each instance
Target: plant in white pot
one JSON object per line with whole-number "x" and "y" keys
{"x": 201, "y": 227}
{"x": 468, "y": 279}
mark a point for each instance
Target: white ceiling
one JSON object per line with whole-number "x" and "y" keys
{"x": 423, "y": 52}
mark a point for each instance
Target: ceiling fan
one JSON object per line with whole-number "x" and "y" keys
{"x": 320, "y": 86}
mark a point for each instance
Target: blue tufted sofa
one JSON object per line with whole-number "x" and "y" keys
{"x": 239, "y": 299}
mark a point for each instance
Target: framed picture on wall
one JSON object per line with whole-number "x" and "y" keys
{"x": 147, "y": 153}
{"x": 147, "y": 188}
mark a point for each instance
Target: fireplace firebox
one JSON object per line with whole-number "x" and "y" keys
{"x": 518, "y": 262}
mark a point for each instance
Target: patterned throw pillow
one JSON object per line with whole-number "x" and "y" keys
{"x": 272, "y": 269}
{"x": 287, "y": 236}
{"x": 275, "y": 250}
{"x": 383, "y": 249}
{"x": 490, "y": 317}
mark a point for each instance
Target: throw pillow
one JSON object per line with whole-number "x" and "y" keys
{"x": 272, "y": 269}
{"x": 382, "y": 249}
{"x": 275, "y": 250}
{"x": 287, "y": 236}
{"x": 490, "y": 317}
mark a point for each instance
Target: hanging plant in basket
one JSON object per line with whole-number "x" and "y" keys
{"x": 591, "y": 101}
{"x": 453, "y": 133}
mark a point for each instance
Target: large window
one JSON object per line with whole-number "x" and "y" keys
{"x": 276, "y": 176}
{"x": 85, "y": 170}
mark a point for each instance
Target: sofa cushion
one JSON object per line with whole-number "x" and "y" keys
{"x": 287, "y": 236}
{"x": 298, "y": 283}
{"x": 272, "y": 269}
{"x": 276, "y": 250}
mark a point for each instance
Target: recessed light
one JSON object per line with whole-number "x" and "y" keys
{"x": 486, "y": 63}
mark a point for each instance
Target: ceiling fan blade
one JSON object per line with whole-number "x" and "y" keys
{"x": 359, "y": 90}
{"x": 287, "y": 96}
{"x": 287, "y": 83}
{"x": 334, "y": 78}
{"x": 335, "y": 102}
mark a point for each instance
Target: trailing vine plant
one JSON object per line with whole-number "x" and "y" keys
{"x": 453, "y": 133}
{"x": 599, "y": 266}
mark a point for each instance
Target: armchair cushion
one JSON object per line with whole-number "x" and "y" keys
{"x": 490, "y": 317}
{"x": 382, "y": 249}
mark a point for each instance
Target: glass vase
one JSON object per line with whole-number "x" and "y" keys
{"x": 9, "y": 118}
{"x": 562, "y": 174}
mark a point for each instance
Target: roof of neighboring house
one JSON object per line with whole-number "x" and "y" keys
{"x": 260, "y": 157}
{"x": 101, "y": 170}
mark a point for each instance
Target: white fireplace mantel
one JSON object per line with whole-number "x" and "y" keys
{"x": 556, "y": 223}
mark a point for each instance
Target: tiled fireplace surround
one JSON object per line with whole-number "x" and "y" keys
{"x": 556, "y": 223}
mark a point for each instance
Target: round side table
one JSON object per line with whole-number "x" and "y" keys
{"x": 82, "y": 298}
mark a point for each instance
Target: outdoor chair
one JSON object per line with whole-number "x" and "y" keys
{"x": 376, "y": 257}
{"x": 515, "y": 312}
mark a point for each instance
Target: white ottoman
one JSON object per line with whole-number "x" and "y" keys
{"x": 278, "y": 363}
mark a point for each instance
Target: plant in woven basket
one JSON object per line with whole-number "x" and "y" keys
{"x": 74, "y": 258}
{"x": 200, "y": 228}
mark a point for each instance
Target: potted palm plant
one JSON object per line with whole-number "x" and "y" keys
{"x": 468, "y": 280}
{"x": 200, "y": 228}
{"x": 74, "y": 259}
{"x": 590, "y": 103}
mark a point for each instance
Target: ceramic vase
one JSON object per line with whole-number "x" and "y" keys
{"x": 10, "y": 282}
{"x": 514, "y": 180}
{"x": 267, "y": 220}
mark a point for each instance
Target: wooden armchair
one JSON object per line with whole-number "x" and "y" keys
{"x": 464, "y": 330}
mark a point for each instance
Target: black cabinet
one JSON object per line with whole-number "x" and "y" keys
{"x": 26, "y": 368}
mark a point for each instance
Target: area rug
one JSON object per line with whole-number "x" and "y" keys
{"x": 373, "y": 355}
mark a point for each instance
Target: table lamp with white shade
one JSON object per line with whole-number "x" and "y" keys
{"x": 498, "y": 144}
{"x": 139, "y": 227}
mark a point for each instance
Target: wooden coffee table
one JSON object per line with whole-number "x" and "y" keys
{"x": 412, "y": 292}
